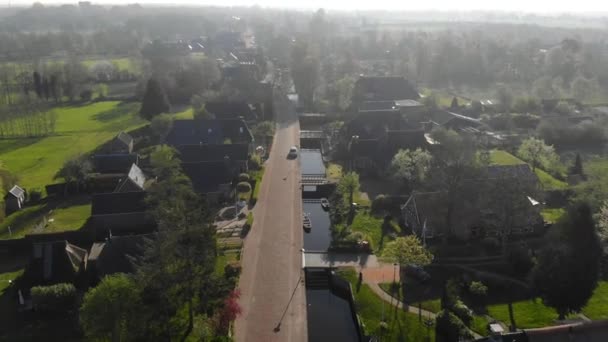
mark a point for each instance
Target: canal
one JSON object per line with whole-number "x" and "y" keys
{"x": 329, "y": 317}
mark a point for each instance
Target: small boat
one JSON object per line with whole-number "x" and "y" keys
{"x": 306, "y": 222}
{"x": 324, "y": 203}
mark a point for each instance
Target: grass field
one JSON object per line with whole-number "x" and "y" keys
{"x": 498, "y": 157}
{"x": 552, "y": 215}
{"x": 62, "y": 215}
{"x": 371, "y": 228}
{"x": 597, "y": 307}
{"x": 528, "y": 314}
{"x": 402, "y": 326}
{"x": 79, "y": 129}
{"x": 432, "y": 305}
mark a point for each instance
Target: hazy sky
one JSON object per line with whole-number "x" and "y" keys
{"x": 539, "y": 6}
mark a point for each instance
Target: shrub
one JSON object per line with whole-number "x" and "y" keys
{"x": 35, "y": 195}
{"x": 232, "y": 270}
{"x": 54, "y": 298}
{"x": 463, "y": 312}
{"x": 243, "y": 187}
{"x": 249, "y": 221}
{"x": 243, "y": 177}
{"x": 379, "y": 203}
{"x": 478, "y": 293}
{"x": 255, "y": 162}
{"x": 520, "y": 260}
{"x": 86, "y": 95}
{"x": 448, "y": 327}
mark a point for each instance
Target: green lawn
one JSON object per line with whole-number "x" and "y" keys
{"x": 371, "y": 227}
{"x": 70, "y": 214}
{"x": 499, "y": 157}
{"x": 5, "y": 277}
{"x": 402, "y": 326}
{"x": 432, "y": 305}
{"x": 480, "y": 324}
{"x": 185, "y": 114}
{"x": 222, "y": 260}
{"x": 528, "y": 314}
{"x": 552, "y": 214}
{"x": 597, "y": 308}
{"x": 123, "y": 63}
{"x": 79, "y": 129}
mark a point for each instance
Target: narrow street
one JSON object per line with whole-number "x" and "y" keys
{"x": 272, "y": 258}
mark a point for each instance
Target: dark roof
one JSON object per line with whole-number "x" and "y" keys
{"x": 365, "y": 148}
{"x": 114, "y": 163}
{"x": 115, "y": 254}
{"x": 384, "y": 89}
{"x": 208, "y": 153}
{"x": 378, "y": 106}
{"x": 520, "y": 171}
{"x": 406, "y": 139}
{"x": 215, "y": 131}
{"x": 207, "y": 177}
{"x": 134, "y": 181}
{"x": 16, "y": 191}
{"x": 57, "y": 261}
{"x": 118, "y": 203}
{"x": 230, "y": 110}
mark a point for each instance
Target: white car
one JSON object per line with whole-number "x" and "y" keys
{"x": 293, "y": 152}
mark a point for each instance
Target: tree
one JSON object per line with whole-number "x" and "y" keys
{"x": 161, "y": 125}
{"x": 449, "y": 328}
{"x": 583, "y": 89}
{"x": 349, "y": 185}
{"x": 455, "y": 161}
{"x": 75, "y": 170}
{"x": 164, "y": 162}
{"x": 567, "y": 272}
{"x": 577, "y": 167}
{"x": 454, "y": 104}
{"x": 505, "y": 98}
{"x": 602, "y": 222}
{"x": 411, "y": 167}
{"x": 407, "y": 251}
{"x": 344, "y": 92}
{"x": 46, "y": 89}
{"x": 110, "y": 311}
{"x": 537, "y": 153}
{"x": 37, "y": 84}
{"x": 58, "y": 298}
{"x": 430, "y": 101}
{"x": 264, "y": 130}
{"x": 155, "y": 100}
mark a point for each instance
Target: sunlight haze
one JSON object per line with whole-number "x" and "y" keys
{"x": 562, "y": 6}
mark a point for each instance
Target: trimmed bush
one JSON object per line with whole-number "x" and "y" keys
{"x": 54, "y": 298}
{"x": 379, "y": 203}
{"x": 463, "y": 312}
{"x": 255, "y": 162}
{"x": 478, "y": 293}
{"x": 35, "y": 195}
{"x": 243, "y": 177}
{"x": 243, "y": 187}
{"x": 232, "y": 270}
{"x": 448, "y": 327}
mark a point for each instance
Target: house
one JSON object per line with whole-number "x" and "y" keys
{"x": 14, "y": 199}
{"x": 425, "y": 213}
{"x": 231, "y": 110}
{"x": 214, "y": 131}
{"x": 134, "y": 181}
{"x": 114, "y": 163}
{"x": 55, "y": 262}
{"x": 122, "y": 143}
{"x": 120, "y": 212}
{"x": 383, "y": 89}
{"x": 115, "y": 255}
{"x": 213, "y": 179}
{"x": 237, "y": 154}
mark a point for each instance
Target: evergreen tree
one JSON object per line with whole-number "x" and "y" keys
{"x": 577, "y": 168}
{"x": 155, "y": 100}
{"x": 454, "y": 104}
{"x": 567, "y": 273}
{"x": 37, "y": 84}
{"x": 46, "y": 88}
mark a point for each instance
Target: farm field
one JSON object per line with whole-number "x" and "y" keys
{"x": 79, "y": 129}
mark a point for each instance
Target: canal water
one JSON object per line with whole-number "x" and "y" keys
{"x": 329, "y": 318}
{"x": 311, "y": 162}
{"x": 319, "y": 237}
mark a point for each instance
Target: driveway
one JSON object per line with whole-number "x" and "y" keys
{"x": 272, "y": 258}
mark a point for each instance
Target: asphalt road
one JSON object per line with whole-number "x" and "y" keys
{"x": 272, "y": 258}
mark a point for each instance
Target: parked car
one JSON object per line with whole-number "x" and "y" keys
{"x": 417, "y": 272}
{"x": 293, "y": 152}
